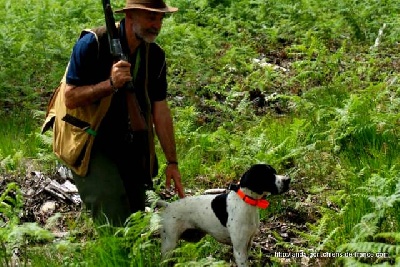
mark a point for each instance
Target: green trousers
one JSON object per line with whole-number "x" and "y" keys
{"x": 113, "y": 189}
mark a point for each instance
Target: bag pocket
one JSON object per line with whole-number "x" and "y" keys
{"x": 70, "y": 143}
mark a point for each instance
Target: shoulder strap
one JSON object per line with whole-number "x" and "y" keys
{"x": 149, "y": 118}
{"x": 101, "y": 36}
{"x": 147, "y": 70}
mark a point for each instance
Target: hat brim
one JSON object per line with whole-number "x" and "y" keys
{"x": 167, "y": 9}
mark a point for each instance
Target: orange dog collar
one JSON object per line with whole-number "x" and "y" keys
{"x": 260, "y": 203}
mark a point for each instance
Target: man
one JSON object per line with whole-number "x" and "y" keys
{"x": 115, "y": 183}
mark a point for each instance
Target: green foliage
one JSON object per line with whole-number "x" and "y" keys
{"x": 37, "y": 39}
{"x": 369, "y": 233}
{"x": 191, "y": 254}
{"x": 10, "y": 204}
{"x": 13, "y": 235}
{"x": 21, "y": 145}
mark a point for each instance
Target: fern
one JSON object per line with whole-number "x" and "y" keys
{"x": 28, "y": 233}
{"x": 352, "y": 262}
{"x": 366, "y": 233}
{"x": 373, "y": 247}
{"x": 11, "y": 203}
{"x": 13, "y": 235}
{"x": 367, "y": 227}
{"x": 388, "y": 237}
{"x": 325, "y": 242}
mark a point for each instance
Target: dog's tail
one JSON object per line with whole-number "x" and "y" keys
{"x": 161, "y": 203}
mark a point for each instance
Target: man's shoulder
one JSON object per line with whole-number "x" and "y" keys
{"x": 99, "y": 31}
{"x": 89, "y": 38}
{"x": 156, "y": 46}
{"x": 95, "y": 34}
{"x": 95, "y": 38}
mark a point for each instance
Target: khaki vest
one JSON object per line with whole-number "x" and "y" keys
{"x": 72, "y": 144}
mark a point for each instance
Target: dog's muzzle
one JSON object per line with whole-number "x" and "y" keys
{"x": 285, "y": 183}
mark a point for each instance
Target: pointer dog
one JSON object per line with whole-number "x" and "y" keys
{"x": 231, "y": 218}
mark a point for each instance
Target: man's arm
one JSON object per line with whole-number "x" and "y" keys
{"x": 78, "y": 96}
{"x": 165, "y": 131}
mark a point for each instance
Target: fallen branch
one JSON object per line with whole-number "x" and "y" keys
{"x": 63, "y": 192}
{"x": 378, "y": 39}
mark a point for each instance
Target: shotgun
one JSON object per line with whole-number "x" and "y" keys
{"x": 139, "y": 127}
{"x": 137, "y": 119}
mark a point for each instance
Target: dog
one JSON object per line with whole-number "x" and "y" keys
{"x": 231, "y": 218}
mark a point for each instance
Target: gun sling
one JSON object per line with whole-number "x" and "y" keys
{"x": 136, "y": 116}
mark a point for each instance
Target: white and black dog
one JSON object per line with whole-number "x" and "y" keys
{"x": 231, "y": 218}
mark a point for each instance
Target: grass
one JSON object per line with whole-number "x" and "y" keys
{"x": 20, "y": 143}
{"x": 330, "y": 121}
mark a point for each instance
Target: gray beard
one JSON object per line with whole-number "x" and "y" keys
{"x": 137, "y": 29}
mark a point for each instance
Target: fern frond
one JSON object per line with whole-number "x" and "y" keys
{"x": 384, "y": 202}
{"x": 26, "y": 232}
{"x": 367, "y": 227}
{"x": 324, "y": 244}
{"x": 322, "y": 226}
{"x": 311, "y": 238}
{"x": 389, "y": 237}
{"x": 373, "y": 247}
{"x": 353, "y": 262}
{"x": 397, "y": 191}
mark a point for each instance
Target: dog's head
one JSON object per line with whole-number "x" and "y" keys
{"x": 262, "y": 178}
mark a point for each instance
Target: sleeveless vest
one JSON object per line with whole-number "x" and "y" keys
{"x": 74, "y": 130}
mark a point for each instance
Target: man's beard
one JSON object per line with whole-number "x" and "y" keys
{"x": 148, "y": 35}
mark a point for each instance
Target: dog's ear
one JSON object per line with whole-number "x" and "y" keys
{"x": 259, "y": 178}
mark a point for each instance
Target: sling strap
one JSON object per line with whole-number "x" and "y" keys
{"x": 137, "y": 120}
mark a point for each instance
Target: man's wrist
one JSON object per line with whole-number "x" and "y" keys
{"x": 115, "y": 89}
{"x": 172, "y": 162}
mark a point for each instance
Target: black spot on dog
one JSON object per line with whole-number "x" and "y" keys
{"x": 218, "y": 204}
{"x": 260, "y": 178}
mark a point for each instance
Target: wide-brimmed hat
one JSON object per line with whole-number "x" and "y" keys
{"x": 151, "y": 5}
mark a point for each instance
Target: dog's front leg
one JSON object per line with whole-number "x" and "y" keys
{"x": 169, "y": 241}
{"x": 240, "y": 257}
{"x": 240, "y": 251}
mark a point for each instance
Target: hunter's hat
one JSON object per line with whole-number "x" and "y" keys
{"x": 151, "y": 5}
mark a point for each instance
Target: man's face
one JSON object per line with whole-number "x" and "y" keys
{"x": 146, "y": 25}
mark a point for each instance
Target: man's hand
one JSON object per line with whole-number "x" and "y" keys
{"x": 120, "y": 73}
{"x": 172, "y": 172}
